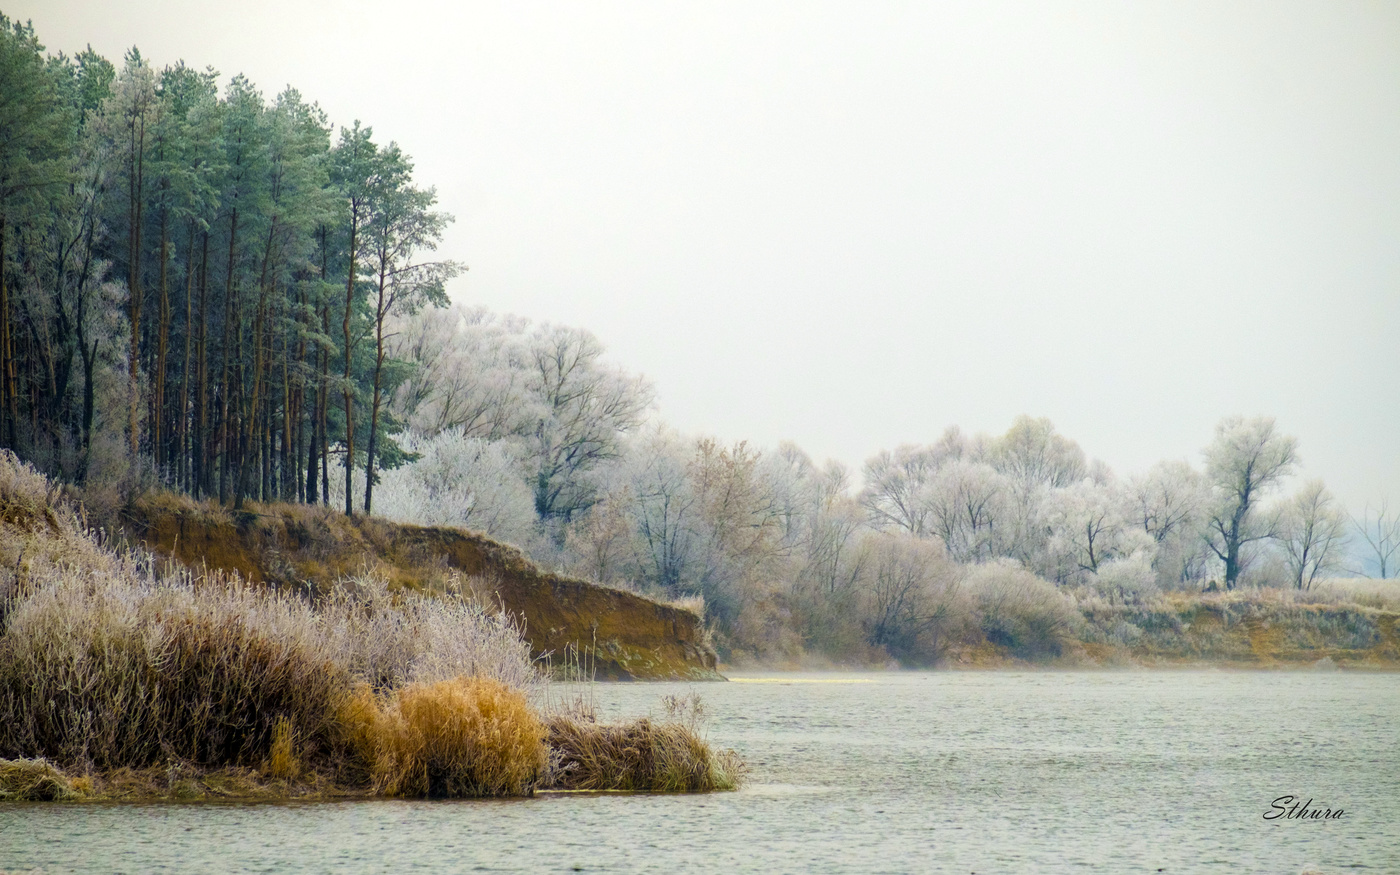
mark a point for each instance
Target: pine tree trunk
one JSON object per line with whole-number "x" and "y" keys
{"x": 7, "y": 390}
{"x": 183, "y": 424}
{"x": 347, "y": 390}
{"x": 374, "y": 408}
{"x": 225, "y": 380}
{"x": 136, "y": 186}
{"x": 162, "y": 341}
{"x": 200, "y": 448}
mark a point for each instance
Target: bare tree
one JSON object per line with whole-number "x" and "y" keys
{"x": 586, "y": 408}
{"x": 966, "y": 504}
{"x": 893, "y": 490}
{"x": 1382, "y": 536}
{"x": 1312, "y": 530}
{"x": 912, "y": 597}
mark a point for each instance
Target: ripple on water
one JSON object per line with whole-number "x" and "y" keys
{"x": 869, "y": 772}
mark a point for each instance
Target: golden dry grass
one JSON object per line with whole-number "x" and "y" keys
{"x": 468, "y": 736}
{"x": 35, "y": 780}
{"x": 282, "y": 760}
{"x": 643, "y": 756}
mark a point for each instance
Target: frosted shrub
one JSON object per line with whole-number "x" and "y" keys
{"x": 914, "y": 607}
{"x": 1130, "y": 579}
{"x": 389, "y": 640}
{"x": 1019, "y": 611}
{"x": 25, "y": 494}
{"x": 107, "y": 662}
{"x": 126, "y": 668}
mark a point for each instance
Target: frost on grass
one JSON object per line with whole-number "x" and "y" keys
{"x": 107, "y": 661}
{"x": 110, "y": 663}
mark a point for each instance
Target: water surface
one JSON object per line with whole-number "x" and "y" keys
{"x": 958, "y": 772}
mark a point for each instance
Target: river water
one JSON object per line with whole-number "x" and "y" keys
{"x": 958, "y": 772}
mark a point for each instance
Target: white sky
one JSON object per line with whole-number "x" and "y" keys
{"x": 851, "y": 225}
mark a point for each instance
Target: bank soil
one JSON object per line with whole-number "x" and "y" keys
{"x": 613, "y": 634}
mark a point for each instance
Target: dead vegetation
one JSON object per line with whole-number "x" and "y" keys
{"x": 121, "y": 678}
{"x": 641, "y": 756}
{"x": 297, "y": 546}
{"x": 461, "y": 737}
{"x": 36, "y": 780}
{"x": 1246, "y": 627}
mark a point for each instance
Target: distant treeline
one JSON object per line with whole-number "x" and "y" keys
{"x": 196, "y": 284}
{"x": 213, "y": 293}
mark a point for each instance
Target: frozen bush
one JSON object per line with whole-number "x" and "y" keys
{"x": 1128, "y": 579}
{"x": 392, "y": 639}
{"x": 122, "y": 668}
{"x": 913, "y": 607}
{"x": 1019, "y": 611}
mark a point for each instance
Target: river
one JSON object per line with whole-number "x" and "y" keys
{"x": 957, "y": 772}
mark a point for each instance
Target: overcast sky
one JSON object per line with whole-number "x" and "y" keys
{"x": 854, "y": 224}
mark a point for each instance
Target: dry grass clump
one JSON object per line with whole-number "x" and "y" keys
{"x": 393, "y": 639}
{"x": 1369, "y": 592}
{"x": 282, "y": 760}
{"x": 641, "y": 756}
{"x": 132, "y": 669}
{"x": 36, "y": 780}
{"x": 26, "y": 497}
{"x": 468, "y": 736}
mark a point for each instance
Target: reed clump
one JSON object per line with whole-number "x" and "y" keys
{"x": 282, "y": 760}
{"x": 642, "y": 756}
{"x": 468, "y": 736}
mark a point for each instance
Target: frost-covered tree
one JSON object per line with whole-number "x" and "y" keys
{"x": 469, "y": 373}
{"x": 1247, "y": 458}
{"x": 663, "y": 511}
{"x": 585, "y": 409}
{"x": 126, "y": 122}
{"x": 1312, "y": 529}
{"x": 740, "y": 525}
{"x": 1169, "y": 504}
{"x": 1089, "y": 527}
{"x": 821, "y": 526}
{"x": 599, "y": 546}
{"x": 1382, "y": 536}
{"x": 894, "y": 484}
{"x": 458, "y": 480}
{"x": 1036, "y": 460}
{"x": 967, "y": 505}
{"x": 1033, "y": 454}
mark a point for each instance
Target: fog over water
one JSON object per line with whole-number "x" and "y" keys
{"x": 851, "y": 225}
{"x": 887, "y": 772}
